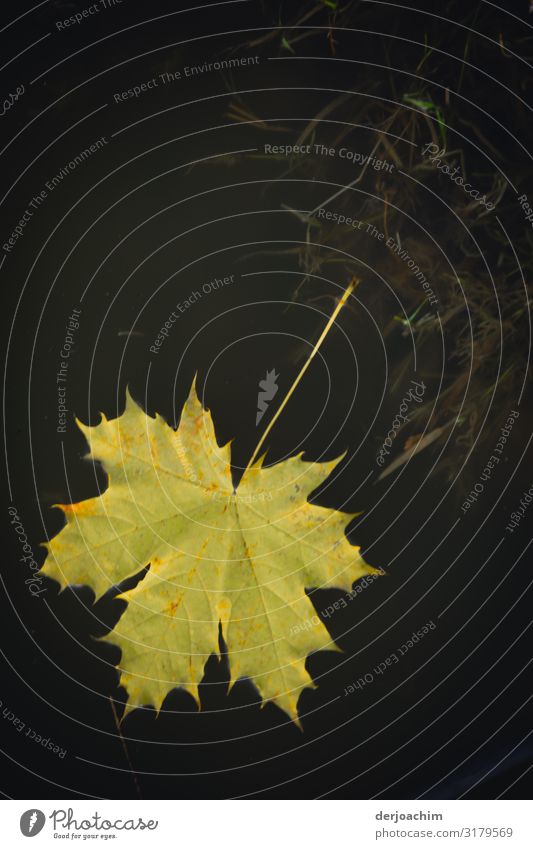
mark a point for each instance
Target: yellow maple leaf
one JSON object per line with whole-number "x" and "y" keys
{"x": 241, "y": 559}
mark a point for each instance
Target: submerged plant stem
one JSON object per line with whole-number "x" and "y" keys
{"x": 348, "y": 291}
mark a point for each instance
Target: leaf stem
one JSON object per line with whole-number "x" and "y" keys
{"x": 348, "y": 291}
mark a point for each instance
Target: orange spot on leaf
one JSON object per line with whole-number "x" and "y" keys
{"x": 81, "y": 508}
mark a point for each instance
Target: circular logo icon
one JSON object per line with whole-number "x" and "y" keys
{"x": 32, "y": 822}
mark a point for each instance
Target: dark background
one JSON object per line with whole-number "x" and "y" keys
{"x": 454, "y": 717}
